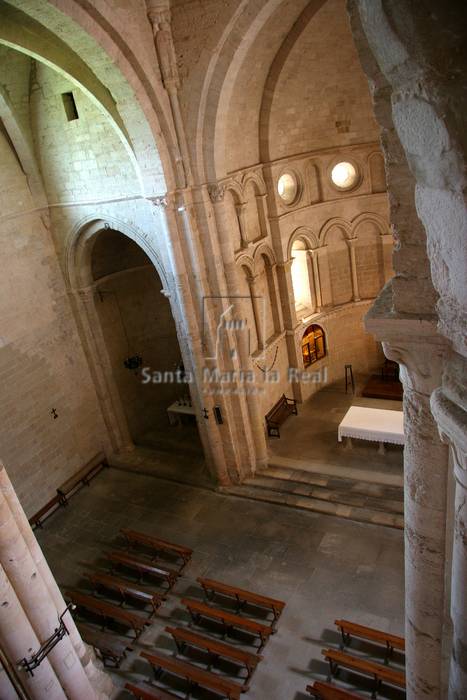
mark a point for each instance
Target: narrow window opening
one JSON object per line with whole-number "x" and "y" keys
{"x": 70, "y": 106}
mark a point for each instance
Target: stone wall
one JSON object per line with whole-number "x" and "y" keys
{"x": 42, "y": 364}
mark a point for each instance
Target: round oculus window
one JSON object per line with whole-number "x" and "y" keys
{"x": 287, "y": 187}
{"x": 344, "y": 175}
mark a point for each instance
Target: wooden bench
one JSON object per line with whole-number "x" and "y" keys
{"x": 143, "y": 567}
{"x": 157, "y": 545}
{"x": 351, "y": 629}
{"x": 380, "y": 673}
{"x": 184, "y": 637}
{"x": 43, "y": 513}
{"x": 194, "y": 675}
{"x": 107, "y": 611}
{"x": 111, "y": 650}
{"x": 149, "y": 693}
{"x": 228, "y": 620}
{"x": 327, "y": 691}
{"x": 242, "y": 597}
{"x": 82, "y": 477}
{"x": 279, "y": 413}
{"x": 126, "y": 589}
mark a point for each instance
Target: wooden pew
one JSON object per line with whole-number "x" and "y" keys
{"x": 194, "y": 675}
{"x": 185, "y": 637}
{"x": 327, "y": 691}
{"x": 229, "y": 621}
{"x": 279, "y": 413}
{"x": 379, "y": 672}
{"x": 143, "y": 567}
{"x": 126, "y": 589}
{"x": 242, "y": 597}
{"x": 351, "y": 629}
{"x": 82, "y": 477}
{"x": 133, "y": 538}
{"x": 111, "y": 649}
{"x": 107, "y": 611}
{"x": 50, "y": 507}
{"x": 149, "y": 693}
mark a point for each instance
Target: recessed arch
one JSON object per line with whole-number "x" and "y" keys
{"x": 304, "y": 234}
{"x": 109, "y": 75}
{"x": 338, "y": 222}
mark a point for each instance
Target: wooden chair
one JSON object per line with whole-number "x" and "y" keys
{"x": 228, "y": 620}
{"x": 185, "y": 637}
{"x": 111, "y": 649}
{"x": 279, "y": 413}
{"x": 143, "y": 567}
{"x": 125, "y": 589}
{"x": 107, "y": 611}
{"x": 81, "y": 478}
{"x": 351, "y": 629}
{"x": 149, "y": 693}
{"x": 133, "y": 538}
{"x": 242, "y": 597}
{"x": 193, "y": 675}
{"x": 380, "y": 673}
{"x": 327, "y": 691}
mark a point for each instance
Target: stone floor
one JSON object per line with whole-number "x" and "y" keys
{"x": 311, "y": 439}
{"x": 323, "y": 567}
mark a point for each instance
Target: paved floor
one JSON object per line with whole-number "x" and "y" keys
{"x": 322, "y": 566}
{"x": 311, "y": 438}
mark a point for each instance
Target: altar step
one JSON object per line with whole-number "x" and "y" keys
{"x": 379, "y": 504}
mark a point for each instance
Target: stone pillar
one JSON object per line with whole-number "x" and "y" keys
{"x": 313, "y": 254}
{"x": 257, "y": 301}
{"x": 353, "y": 267}
{"x": 256, "y": 420}
{"x": 100, "y": 681}
{"x": 240, "y": 209}
{"x": 101, "y": 370}
{"x": 452, "y": 424}
{"x": 284, "y": 278}
{"x": 419, "y": 350}
{"x": 38, "y": 604}
{"x": 18, "y": 640}
{"x": 160, "y": 19}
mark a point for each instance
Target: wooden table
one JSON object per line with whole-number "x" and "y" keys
{"x": 175, "y": 411}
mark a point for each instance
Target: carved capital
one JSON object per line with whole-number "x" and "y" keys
{"x": 452, "y": 425}
{"x": 421, "y": 362}
{"x": 216, "y": 192}
{"x": 161, "y": 201}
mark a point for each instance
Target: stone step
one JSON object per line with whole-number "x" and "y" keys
{"x": 345, "y": 491}
{"x": 315, "y": 505}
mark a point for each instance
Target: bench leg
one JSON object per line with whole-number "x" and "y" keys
{"x": 376, "y": 687}
{"x": 346, "y": 639}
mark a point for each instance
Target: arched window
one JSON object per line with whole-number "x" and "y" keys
{"x": 313, "y": 345}
{"x": 300, "y": 278}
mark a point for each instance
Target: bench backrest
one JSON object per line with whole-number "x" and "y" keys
{"x": 146, "y": 694}
{"x": 371, "y": 633}
{"x": 241, "y": 593}
{"x": 326, "y": 691}
{"x": 195, "y": 673}
{"x": 385, "y": 673}
{"x": 209, "y": 643}
{"x": 222, "y": 615}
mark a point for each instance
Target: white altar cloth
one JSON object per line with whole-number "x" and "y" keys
{"x": 375, "y": 424}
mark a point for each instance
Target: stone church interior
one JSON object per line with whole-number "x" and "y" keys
{"x": 233, "y": 446}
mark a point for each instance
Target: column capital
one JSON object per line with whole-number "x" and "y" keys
{"x": 216, "y": 192}
{"x": 159, "y": 201}
{"x": 452, "y": 426}
{"x": 351, "y": 241}
{"x": 285, "y": 264}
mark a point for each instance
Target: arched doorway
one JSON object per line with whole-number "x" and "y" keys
{"x": 134, "y": 347}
